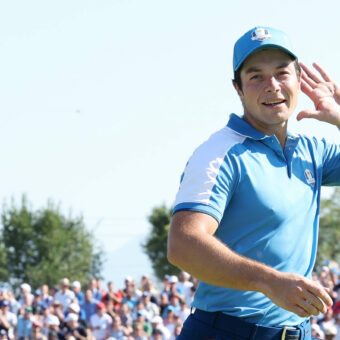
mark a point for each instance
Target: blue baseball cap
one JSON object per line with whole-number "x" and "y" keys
{"x": 258, "y": 38}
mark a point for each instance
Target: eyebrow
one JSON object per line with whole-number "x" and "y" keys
{"x": 257, "y": 69}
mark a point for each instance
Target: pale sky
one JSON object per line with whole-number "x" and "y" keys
{"x": 102, "y": 102}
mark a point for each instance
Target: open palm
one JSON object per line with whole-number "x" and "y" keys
{"x": 324, "y": 93}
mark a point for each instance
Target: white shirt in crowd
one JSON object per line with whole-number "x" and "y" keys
{"x": 103, "y": 323}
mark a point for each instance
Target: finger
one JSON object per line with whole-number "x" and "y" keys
{"x": 309, "y": 307}
{"x": 311, "y": 74}
{"x": 308, "y": 114}
{"x": 306, "y": 88}
{"x": 309, "y": 81}
{"x": 300, "y": 311}
{"x": 322, "y": 72}
{"x": 316, "y": 302}
{"x": 321, "y": 293}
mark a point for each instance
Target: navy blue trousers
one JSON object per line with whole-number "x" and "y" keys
{"x": 217, "y": 326}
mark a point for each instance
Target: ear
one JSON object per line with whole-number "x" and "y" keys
{"x": 238, "y": 90}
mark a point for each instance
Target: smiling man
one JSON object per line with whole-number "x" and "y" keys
{"x": 246, "y": 215}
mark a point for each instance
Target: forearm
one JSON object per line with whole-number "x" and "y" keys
{"x": 211, "y": 261}
{"x": 192, "y": 247}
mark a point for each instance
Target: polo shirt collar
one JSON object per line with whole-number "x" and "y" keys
{"x": 239, "y": 125}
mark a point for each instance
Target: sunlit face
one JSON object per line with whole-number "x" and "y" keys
{"x": 270, "y": 88}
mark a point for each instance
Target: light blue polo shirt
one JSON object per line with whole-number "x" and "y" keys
{"x": 266, "y": 201}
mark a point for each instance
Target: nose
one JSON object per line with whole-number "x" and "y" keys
{"x": 272, "y": 85}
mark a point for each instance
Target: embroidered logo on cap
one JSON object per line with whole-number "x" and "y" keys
{"x": 309, "y": 177}
{"x": 260, "y": 34}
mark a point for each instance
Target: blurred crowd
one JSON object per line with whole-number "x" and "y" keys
{"x": 137, "y": 311}
{"x": 327, "y": 326}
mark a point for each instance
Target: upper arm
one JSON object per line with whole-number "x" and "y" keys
{"x": 186, "y": 222}
{"x": 187, "y": 227}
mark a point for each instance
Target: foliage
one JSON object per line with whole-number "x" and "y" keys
{"x": 329, "y": 235}
{"x": 44, "y": 246}
{"x": 156, "y": 244}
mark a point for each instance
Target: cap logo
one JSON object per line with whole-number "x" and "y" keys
{"x": 260, "y": 34}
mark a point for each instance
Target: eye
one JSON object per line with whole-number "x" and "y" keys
{"x": 283, "y": 73}
{"x": 255, "y": 77}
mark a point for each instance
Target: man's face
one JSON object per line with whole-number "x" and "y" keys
{"x": 270, "y": 88}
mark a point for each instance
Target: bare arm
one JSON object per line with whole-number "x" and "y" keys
{"x": 192, "y": 247}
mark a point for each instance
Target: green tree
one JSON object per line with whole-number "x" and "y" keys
{"x": 329, "y": 235}
{"x": 44, "y": 246}
{"x": 156, "y": 244}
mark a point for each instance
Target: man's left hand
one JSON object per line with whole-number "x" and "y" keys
{"x": 325, "y": 94}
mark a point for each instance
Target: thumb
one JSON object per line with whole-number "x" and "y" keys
{"x": 307, "y": 114}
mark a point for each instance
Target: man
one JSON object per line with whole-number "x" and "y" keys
{"x": 72, "y": 328}
{"x": 65, "y": 296}
{"x": 8, "y": 320}
{"x": 101, "y": 323}
{"x": 89, "y": 307}
{"x": 245, "y": 219}
{"x": 76, "y": 288}
{"x": 24, "y": 325}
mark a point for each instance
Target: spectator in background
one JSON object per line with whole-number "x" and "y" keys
{"x": 53, "y": 324}
{"x": 44, "y": 320}
{"x": 8, "y": 320}
{"x": 100, "y": 287}
{"x": 174, "y": 305}
{"x": 125, "y": 315}
{"x": 74, "y": 308}
{"x": 14, "y": 304}
{"x": 37, "y": 302}
{"x": 178, "y": 330}
{"x": 57, "y": 310}
{"x": 174, "y": 289}
{"x": 24, "y": 326}
{"x": 118, "y": 331}
{"x": 142, "y": 319}
{"x": 26, "y": 298}
{"x": 130, "y": 298}
{"x": 36, "y": 333}
{"x": 76, "y": 288}
{"x": 163, "y": 302}
{"x": 72, "y": 328}
{"x": 89, "y": 306}
{"x": 149, "y": 306}
{"x": 157, "y": 334}
{"x": 3, "y": 335}
{"x": 97, "y": 295}
{"x": 157, "y": 323}
{"x": 46, "y": 299}
{"x": 100, "y": 323}
{"x": 184, "y": 311}
{"x": 115, "y": 296}
{"x": 328, "y": 325}
{"x": 184, "y": 285}
{"x": 316, "y": 330}
{"x": 138, "y": 332}
{"x": 65, "y": 296}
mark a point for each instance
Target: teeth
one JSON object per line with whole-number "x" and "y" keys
{"x": 275, "y": 102}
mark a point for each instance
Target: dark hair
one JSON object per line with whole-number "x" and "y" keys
{"x": 237, "y": 73}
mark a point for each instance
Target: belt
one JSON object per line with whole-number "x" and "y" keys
{"x": 246, "y": 330}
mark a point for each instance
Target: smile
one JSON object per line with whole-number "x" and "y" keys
{"x": 274, "y": 102}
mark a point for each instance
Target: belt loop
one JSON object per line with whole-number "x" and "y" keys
{"x": 253, "y": 332}
{"x": 302, "y": 332}
{"x": 214, "y": 319}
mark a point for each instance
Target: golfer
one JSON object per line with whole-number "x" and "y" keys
{"x": 246, "y": 215}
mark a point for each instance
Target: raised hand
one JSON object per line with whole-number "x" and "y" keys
{"x": 325, "y": 94}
